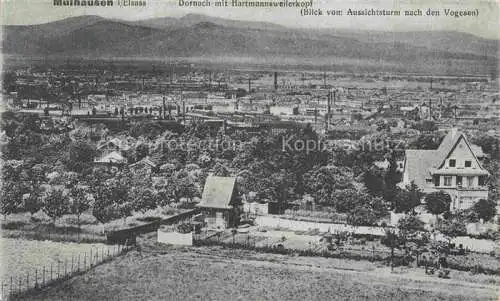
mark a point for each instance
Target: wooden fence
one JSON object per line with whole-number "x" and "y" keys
{"x": 41, "y": 277}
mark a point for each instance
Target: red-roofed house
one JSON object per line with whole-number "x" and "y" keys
{"x": 454, "y": 168}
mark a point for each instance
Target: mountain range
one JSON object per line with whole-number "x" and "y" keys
{"x": 200, "y": 36}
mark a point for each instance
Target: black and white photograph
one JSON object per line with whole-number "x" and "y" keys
{"x": 287, "y": 150}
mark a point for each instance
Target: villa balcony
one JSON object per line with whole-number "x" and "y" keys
{"x": 463, "y": 188}
{"x": 475, "y": 188}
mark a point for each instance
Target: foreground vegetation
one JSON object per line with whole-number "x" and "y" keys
{"x": 215, "y": 274}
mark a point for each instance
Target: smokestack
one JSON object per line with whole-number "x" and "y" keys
{"x": 327, "y": 117}
{"x": 275, "y": 81}
{"x": 329, "y": 101}
{"x": 430, "y": 109}
{"x": 164, "y": 107}
{"x": 184, "y": 111}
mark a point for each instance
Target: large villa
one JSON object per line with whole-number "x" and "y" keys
{"x": 454, "y": 167}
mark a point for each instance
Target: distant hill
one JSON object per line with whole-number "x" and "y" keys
{"x": 192, "y": 19}
{"x": 207, "y": 37}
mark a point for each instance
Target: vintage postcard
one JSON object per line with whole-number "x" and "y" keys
{"x": 249, "y": 150}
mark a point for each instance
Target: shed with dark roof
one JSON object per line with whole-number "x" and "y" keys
{"x": 219, "y": 203}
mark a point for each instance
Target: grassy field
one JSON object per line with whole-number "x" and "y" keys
{"x": 162, "y": 273}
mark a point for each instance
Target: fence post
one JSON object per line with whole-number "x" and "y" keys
{"x": 2, "y": 290}
{"x": 90, "y": 257}
{"x": 43, "y": 276}
{"x": 20, "y": 284}
{"x": 78, "y": 262}
{"x": 28, "y": 280}
{"x": 102, "y": 254}
{"x": 36, "y": 278}
{"x": 71, "y": 264}
{"x": 65, "y": 267}
{"x": 51, "y": 272}
{"x": 58, "y": 273}
{"x": 10, "y": 290}
{"x": 108, "y": 252}
{"x": 85, "y": 261}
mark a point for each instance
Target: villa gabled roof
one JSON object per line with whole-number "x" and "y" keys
{"x": 449, "y": 141}
{"x": 218, "y": 192}
{"x": 419, "y": 164}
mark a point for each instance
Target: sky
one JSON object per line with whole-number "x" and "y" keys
{"x": 486, "y": 24}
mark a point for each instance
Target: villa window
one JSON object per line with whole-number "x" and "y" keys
{"x": 468, "y": 163}
{"x": 482, "y": 181}
{"x": 436, "y": 180}
{"x": 459, "y": 181}
{"x": 470, "y": 181}
{"x": 447, "y": 181}
{"x": 453, "y": 162}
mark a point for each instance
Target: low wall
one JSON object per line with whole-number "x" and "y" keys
{"x": 476, "y": 245}
{"x": 277, "y": 222}
{"x": 128, "y": 235}
{"x": 175, "y": 238}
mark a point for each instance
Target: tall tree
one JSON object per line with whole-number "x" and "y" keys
{"x": 33, "y": 202}
{"x": 391, "y": 240}
{"x": 10, "y": 198}
{"x": 485, "y": 209}
{"x": 391, "y": 178}
{"x": 143, "y": 199}
{"x": 56, "y": 204}
{"x": 80, "y": 202}
{"x": 438, "y": 202}
{"x": 407, "y": 200}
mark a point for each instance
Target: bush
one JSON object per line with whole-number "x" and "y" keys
{"x": 13, "y": 225}
{"x": 149, "y": 219}
{"x": 185, "y": 228}
{"x": 84, "y": 220}
{"x": 333, "y": 216}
